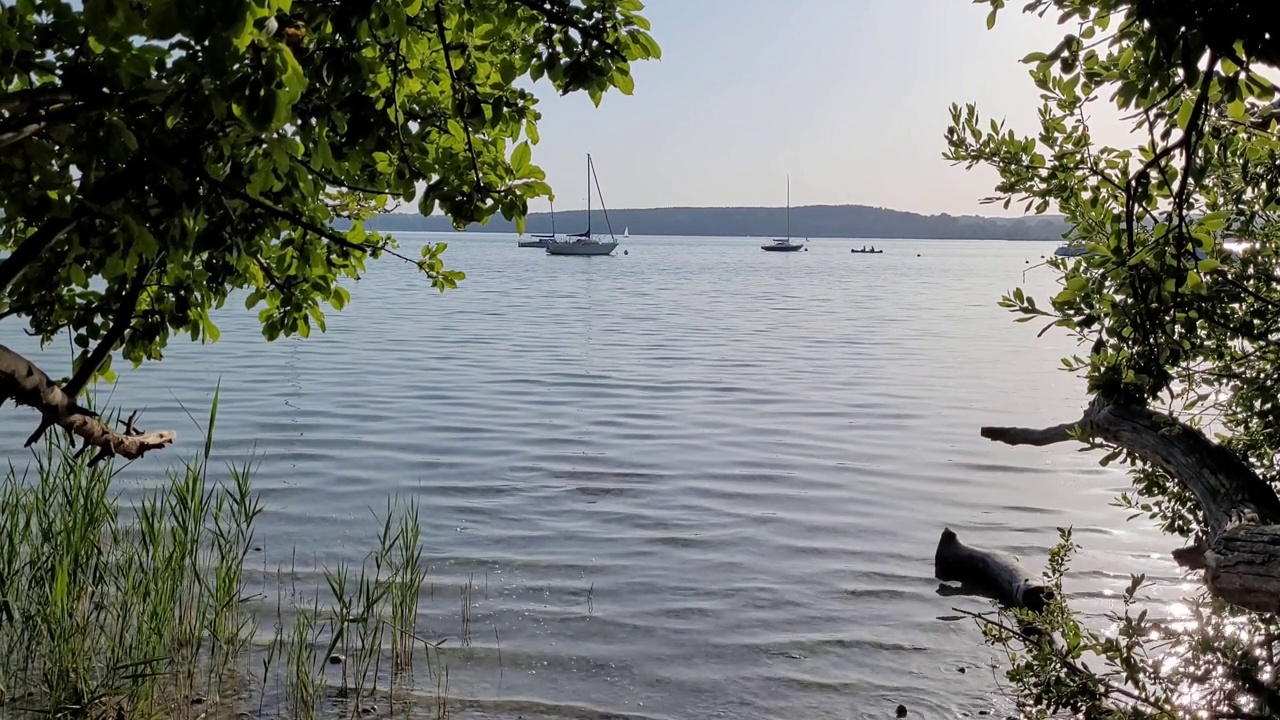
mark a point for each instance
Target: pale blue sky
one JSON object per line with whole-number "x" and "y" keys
{"x": 848, "y": 96}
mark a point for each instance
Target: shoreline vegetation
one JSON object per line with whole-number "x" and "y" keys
{"x": 812, "y": 221}
{"x": 147, "y": 609}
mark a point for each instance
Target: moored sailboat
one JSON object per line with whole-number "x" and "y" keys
{"x": 585, "y": 243}
{"x": 781, "y": 244}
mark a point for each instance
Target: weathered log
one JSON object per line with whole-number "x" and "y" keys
{"x": 1241, "y": 511}
{"x": 995, "y": 573}
{"x": 26, "y": 384}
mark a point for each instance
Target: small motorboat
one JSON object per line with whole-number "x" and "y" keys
{"x": 865, "y": 251}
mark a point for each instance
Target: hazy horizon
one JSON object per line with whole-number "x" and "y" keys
{"x": 982, "y": 211}
{"x": 849, "y": 97}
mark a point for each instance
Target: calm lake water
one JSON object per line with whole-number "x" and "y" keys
{"x": 698, "y": 480}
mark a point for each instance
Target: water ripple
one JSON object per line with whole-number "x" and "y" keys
{"x": 697, "y": 480}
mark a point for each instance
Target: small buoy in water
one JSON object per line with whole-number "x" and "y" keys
{"x": 902, "y": 711}
{"x": 624, "y": 252}
{"x": 806, "y": 249}
{"x": 336, "y": 659}
{"x": 917, "y": 254}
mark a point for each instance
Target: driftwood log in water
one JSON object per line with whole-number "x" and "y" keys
{"x": 1241, "y": 554}
{"x": 26, "y": 384}
{"x": 990, "y": 572}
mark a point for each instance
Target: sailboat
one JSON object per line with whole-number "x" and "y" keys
{"x": 584, "y": 243}
{"x": 781, "y": 244}
{"x": 540, "y": 241}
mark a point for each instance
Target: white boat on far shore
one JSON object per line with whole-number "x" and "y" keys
{"x": 1079, "y": 249}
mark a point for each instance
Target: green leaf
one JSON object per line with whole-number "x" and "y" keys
{"x": 624, "y": 82}
{"x": 1184, "y": 113}
{"x": 507, "y": 71}
{"x": 520, "y": 159}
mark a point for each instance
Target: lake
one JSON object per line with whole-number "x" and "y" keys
{"x": 696, "y": 480}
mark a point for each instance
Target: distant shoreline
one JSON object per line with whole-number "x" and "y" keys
{"x": 854, "y": 222}
{"x": 639, "y": 236}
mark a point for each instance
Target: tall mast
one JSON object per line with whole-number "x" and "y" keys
{"x": 553, "y": 217}
{"x": 788, "y": 207}
{"x": 588, "y": 195}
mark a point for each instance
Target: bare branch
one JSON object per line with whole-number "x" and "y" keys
{"x": 20, "y": 134}
{"x": 1037, "y": 437}
{"x": 26, "y": 384}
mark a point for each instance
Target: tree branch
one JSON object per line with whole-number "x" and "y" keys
{"x": 453, "y": 89}
{"x": 26, "y": 384}
{"x": 20, "y": 134}
{"x": 1241, "y": 510}
{"x": 31, "y": 249}
{"x": 335, "y": 182}
{"x": 120, "y": 323}
{"x": 307, "y": 225}
{"x": 1037, "y": 437}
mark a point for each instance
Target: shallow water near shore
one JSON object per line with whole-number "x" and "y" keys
{"x": 695, "y": 480}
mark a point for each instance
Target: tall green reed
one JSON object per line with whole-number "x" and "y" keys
{"x": 141, "y": 610}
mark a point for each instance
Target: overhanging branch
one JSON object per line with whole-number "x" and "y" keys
{"x": 305, "y": 224}
{"x": 26, "y": 384}
{"x": 1241, "y": 510}
{"x": 120, "y": 323}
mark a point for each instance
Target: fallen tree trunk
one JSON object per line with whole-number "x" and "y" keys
{"x": 26, "y": 384}
{"x": 1241, "y": 511}
{"x": 992, "y": 572}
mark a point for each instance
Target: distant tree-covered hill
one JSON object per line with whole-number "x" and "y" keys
{"x": 844, "y": 221}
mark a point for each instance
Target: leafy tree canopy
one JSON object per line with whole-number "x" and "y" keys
{"x": 157, "y": 155}
{"x": 1169, "y": 311}
{"x": 1176, "y": 304}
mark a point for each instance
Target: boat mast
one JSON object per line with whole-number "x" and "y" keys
{"x": 553, "y": 218}
{"x": 788, "y": 207}
{"x": 600, "y": 192}
{"x": 588, "y": 196}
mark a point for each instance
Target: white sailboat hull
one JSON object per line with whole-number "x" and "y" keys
{"x": 581, "y": 248}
